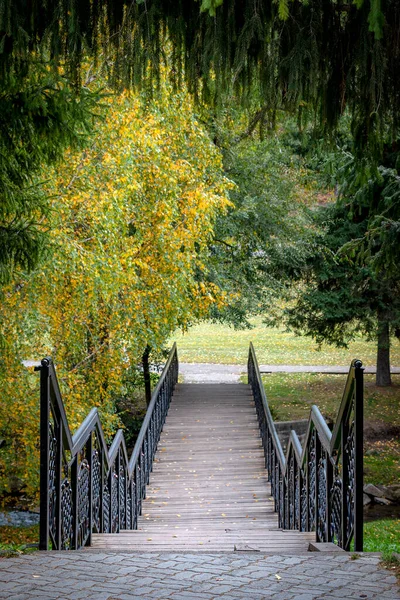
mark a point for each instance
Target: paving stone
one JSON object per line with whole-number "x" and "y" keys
{"x": 128, "y": 576}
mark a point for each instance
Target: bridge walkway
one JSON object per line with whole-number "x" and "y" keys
{"x": 209, "y": 489}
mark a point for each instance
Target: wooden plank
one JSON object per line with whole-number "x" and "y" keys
{"x": 209, "y": 488}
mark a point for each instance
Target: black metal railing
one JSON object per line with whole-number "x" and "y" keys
{"x": 84, "y": 486}
{"x": 317, "y": 486}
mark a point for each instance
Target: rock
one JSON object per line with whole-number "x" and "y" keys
{"x": 16, "y": 518}
{"x": 383, "y": 501}
{"x": 394, "y": 496}
{"x": 388, "y": 493}
{"x": 373, "y": 490}
{"x": 366, "y": 499}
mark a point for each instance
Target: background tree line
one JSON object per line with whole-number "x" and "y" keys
{"x": 115, "y": 223}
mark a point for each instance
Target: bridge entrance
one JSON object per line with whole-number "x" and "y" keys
{"x": 208, "y": 472}
{"x": 209, "y": 488}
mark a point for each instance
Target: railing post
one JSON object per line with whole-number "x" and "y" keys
{"x": 359, "y": 455}
{"x": 44, "y": 453}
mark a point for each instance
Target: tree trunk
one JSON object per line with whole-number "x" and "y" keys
{"x": 383, "y": 359}
{"x": 146, "y": 373}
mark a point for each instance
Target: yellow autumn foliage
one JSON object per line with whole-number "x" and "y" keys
{"x": 129, "y": 223}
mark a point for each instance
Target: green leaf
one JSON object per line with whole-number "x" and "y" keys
{"x": 376, "y": 19}
{"x": 283, "y": 9}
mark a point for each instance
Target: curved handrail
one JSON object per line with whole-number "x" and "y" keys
{"x": 317, "y": 421}
{"x": 317, "y": 485}
{"x": 268, "y": 416}
{"x": 356, "y": 365}
{"x": 147, "y": 418}
{"x": 96, "y": 486}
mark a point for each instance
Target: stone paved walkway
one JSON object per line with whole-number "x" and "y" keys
{"x": 90, "y": 575}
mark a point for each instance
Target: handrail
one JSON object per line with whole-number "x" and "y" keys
{"x": 318, "y": 486}
{"x": 95, "y": 488}
{"x": 150, "y": 409}
{"x": 267, "y": 412}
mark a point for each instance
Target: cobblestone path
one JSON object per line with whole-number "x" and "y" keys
{"x": 91, "y": 575}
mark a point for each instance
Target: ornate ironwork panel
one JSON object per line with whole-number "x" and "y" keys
{"x": 96, "y": 490}
{"x": 322, "y": 515}
{"x": 304, "y": 505}
{"x": 107, "y": 491}
{"x": 291, "y": 493}
{"x": 297, "y": 504}
{"x": 106, "y": 509}
{"x": 83, "y": 502}
{"x": 336, "y": 510}
{"x": 129, "y": 523}
{"x": 52, "y": 484}
{"x": 67, "y": 515}
{"x": 349, "y": 457}
{"x": 312, "y": 469}
{"x": 114, "y": 501}
{"x": 122, "y": 497}
{"x": 314, "y": 486}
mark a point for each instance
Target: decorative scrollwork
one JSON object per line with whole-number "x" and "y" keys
{"x": 83, "y": 502}
{"x": 106, "y": 509}
{"x": 114, "y": 502}
{"x": 317, "y": 493}
{"x": 304, "y": 506}
{"x": 284, "y": 501}
{"x": 297, "y": 499}
{"x": 336, "y": 511}
{"x": 291, "y": 492}
{"x": 67, "y": 518}
{"x": 349, "y": 457}
{"x": 273, "y": 477}
{"x": 122, "y": 497}
{"x": 84, "y": 492}
{"x": 321, "y": 503}
{"x": 129, "y": 524}
{"x": 52, "y": 483}
{"x": 96, "y": 490}
{"x": 311, "y": 482}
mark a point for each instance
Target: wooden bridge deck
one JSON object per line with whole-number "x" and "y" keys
{"x": 209, "y": 490}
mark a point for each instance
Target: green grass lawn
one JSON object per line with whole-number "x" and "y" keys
{"x": 291, "y": 395}
{"x": 382, "y": 536}
{"x": 213, "y": 343}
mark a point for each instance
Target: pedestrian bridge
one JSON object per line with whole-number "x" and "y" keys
{"x": 208, "y": 473}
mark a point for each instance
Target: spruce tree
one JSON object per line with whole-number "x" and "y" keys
{"x": 318, "y": 58}
{"x": 341, "y": 296}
